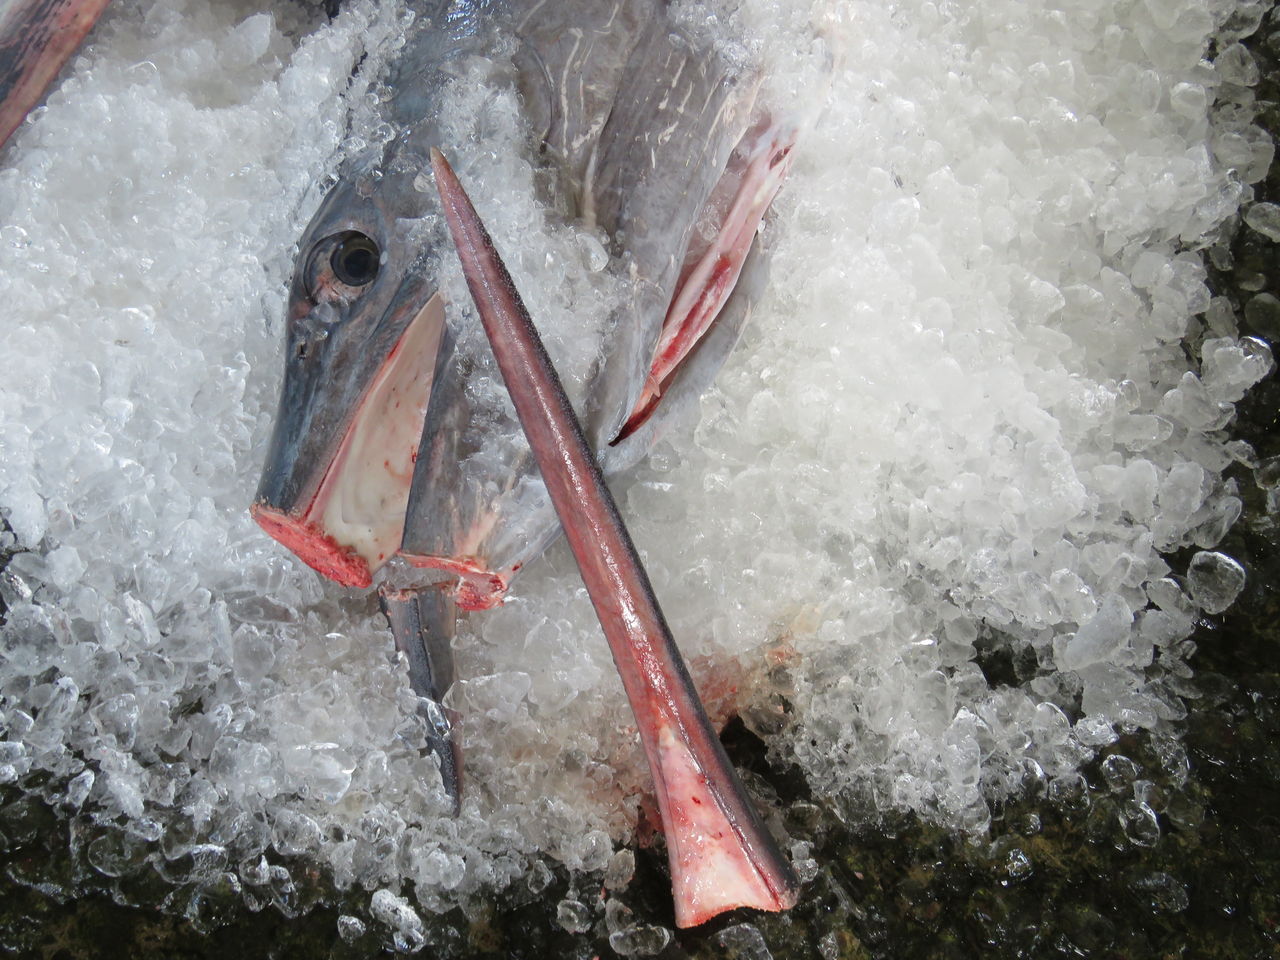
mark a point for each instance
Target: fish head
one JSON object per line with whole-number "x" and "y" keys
{"x": 364, "y": 324}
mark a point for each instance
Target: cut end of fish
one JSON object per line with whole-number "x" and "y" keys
{"x": 477, "y": 588}
{"x": 314, "y": 547}
{"x": 36, "y": 38}
{"x": 713, "y": 867}
{"x": 353, "y": 522}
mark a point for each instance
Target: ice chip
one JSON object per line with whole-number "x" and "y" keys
{"x": 64, "y": 566}
{"x": 1119, "y": 771}
{"x": 295, "y": 833}
{"x": 621, "y": 868}
{"x": 1094, "y": 731}
{"x": 1236, "y": 65}
{"x": 1099, "y": 639}
{"x": 395, "y": 912}
{"x": 640, "y": 940}
{"x": 1264, "y": 218}
{"x": 253, "y": 654}
{"x": 1215, "y": 580}
{"x": 350, "y": 928}
{"x": 573, "y": 915}
{"x": 1229, "y": 368}
{"x": 743, "y": 941}
{"x": 79, "y": 787}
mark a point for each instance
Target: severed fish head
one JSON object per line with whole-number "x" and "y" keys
{"x": 643, "y": 133}
{"x": 365, "y": 322}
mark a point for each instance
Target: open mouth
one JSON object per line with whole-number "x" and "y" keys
{"x": 353, "y": 523}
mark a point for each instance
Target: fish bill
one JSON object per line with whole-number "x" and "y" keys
{"x": 36, "y": 38}
{"x": 721, "y": 855}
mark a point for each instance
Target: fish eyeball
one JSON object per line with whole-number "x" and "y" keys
{"x": 355, "y": 260}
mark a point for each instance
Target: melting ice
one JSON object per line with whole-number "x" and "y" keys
{"x": 963, "y": 420}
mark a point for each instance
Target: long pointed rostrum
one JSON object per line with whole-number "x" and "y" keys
{"x": 36, "y": 39}
{"x": 721, "y": 855}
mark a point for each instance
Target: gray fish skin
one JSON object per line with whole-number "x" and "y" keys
{"x": 640, "y": 149}
{"x": 375, "y": 442}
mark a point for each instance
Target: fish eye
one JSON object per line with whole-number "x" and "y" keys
{"x": 340, "y": 267}
{"x": 355, "y": 259}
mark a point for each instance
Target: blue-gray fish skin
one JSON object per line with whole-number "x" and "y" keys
{"x": 640, "y": 143}
{"x": 640, "y": 127}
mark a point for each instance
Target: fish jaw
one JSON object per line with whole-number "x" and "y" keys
{"x": 721, "y": 855}
{"x": 350, "y": 524}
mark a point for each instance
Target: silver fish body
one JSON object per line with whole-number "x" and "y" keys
{"x": 640, "y": 145}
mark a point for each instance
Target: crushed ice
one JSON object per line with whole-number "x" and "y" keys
{"x": 962, "y": 422}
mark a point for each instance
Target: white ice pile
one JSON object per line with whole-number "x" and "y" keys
{"x": 966, "y": 420}
{"x": 963, "y": 420}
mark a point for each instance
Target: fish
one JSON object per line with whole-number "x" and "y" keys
{"x": 36, "y": 38}
{"x": 350, "y": 479}
{"x": 382, "y": 454}
{"x": 721, "y": 855}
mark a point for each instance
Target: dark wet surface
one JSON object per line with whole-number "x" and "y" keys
{"x": 1064, "y": 873}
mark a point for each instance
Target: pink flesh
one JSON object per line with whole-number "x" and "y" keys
{"x": 314, "y": 547}
{"x": 477, "y": 589}
{"x": 711, "y": 870}
{"x": 385, "y": 428}
{"x": 721, "y": 856}
{"x": 36, "y": 39}
{"x": 710, "y": 274}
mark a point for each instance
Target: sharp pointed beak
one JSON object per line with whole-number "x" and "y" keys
{"x": 36, "y": 39}
{"x": 721, "y": 855}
